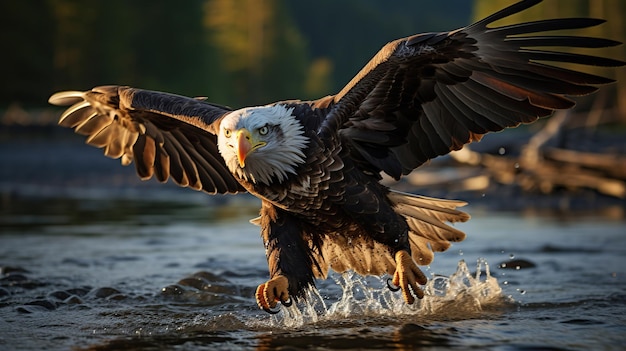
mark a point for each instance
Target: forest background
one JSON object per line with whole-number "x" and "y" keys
{"x": 236, "y": 52}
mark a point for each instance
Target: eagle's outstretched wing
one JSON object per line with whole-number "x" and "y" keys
{"x": 165, "y": 135}
{"x": 428, "y": 94}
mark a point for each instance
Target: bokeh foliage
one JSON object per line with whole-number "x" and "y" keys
{"x": 235, "y": 52}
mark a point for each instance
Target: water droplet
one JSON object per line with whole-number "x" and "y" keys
{"x": 516, "y": 165}
{"x": 506, "y": 282}
{"x": 522, "y": 292}
{"x": 502, "y": 151}
{"x": 511, "y": 256}
{"x": 460, "y": 252}
{"x": 483, "y": 195}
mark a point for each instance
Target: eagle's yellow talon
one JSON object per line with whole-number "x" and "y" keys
{"x": 408, "y": 275}
{"x": 271, "y": 292}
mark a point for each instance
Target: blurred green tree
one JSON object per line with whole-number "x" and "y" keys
{"x": 260, "y": 50}
{"x": 236, "y": 52}
{"x": 157, "y": 44}
{"x": 347, "y": 33}
{"x": 26, "y": 68}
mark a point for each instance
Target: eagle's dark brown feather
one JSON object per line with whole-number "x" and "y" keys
{"x": 443, "y": 90}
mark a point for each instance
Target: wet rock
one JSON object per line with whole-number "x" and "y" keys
{"x": 517, "y": 264}
{"x": 117, "y": 297}
{"x": 79, "y": 291}
{"x": 59, "y": 295}
{"x": 203, "y": 286}
{"x": 194, "y": 282}
{"x": 208, "y": 276}
{"x": 15, "y": 277}
{"x": 173, "y": 290}
{"x": 73, "y": 300}
{"x": 20, "y": 280}
{"x": 66, "y": 297}
{"x": 4, "y": 270}
{"x": 107, "y": 293}
{"x": 208, "y": 282}
{"x": 37, "y": 306}
{"x": 47, "y": 304}
{"x": 30, "y": 309}
{"x": 4, "y": 293}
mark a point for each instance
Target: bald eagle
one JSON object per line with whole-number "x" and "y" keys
{"x": 317, "y": 165}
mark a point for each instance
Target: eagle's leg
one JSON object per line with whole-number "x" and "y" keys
{"x": 408, "y": 275}
{"x": 395, "y": 234}
{"x": 288, "y": 258}
{"x": 390, "y": 228}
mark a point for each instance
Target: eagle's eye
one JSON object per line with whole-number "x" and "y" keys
{"x": 227, "y": 132}
{"x": 263, "y": 130}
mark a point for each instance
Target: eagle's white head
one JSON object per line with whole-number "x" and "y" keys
{"x": 262, "y": 144}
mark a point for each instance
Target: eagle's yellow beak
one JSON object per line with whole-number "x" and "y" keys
{"x": 246, "y": 144}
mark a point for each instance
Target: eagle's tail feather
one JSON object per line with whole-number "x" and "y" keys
{"x": 427, "y": 217}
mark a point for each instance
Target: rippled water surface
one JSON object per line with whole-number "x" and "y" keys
{"x": 93, "y": 264}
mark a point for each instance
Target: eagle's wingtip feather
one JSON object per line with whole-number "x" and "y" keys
{"x": 64, "y": 98}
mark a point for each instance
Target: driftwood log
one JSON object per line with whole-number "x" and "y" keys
{"x": 543, "y": 167}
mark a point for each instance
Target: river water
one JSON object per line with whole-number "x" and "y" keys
{"x": 92, "y": 260}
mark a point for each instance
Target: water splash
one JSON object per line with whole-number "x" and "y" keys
{"x": 457, "y": 296}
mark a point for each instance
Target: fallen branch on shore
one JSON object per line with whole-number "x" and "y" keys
{"x": 544, "y": 168}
